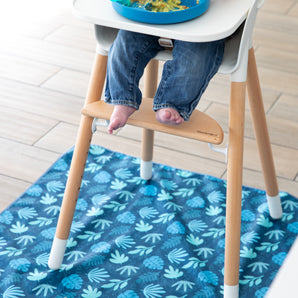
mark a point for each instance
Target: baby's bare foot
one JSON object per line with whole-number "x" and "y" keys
{"x": 169, "y": 116}
{"x": 119, "y": 117}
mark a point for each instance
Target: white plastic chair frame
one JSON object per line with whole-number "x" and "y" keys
{"x": 239, "y": 62}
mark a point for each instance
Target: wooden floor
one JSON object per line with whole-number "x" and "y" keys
{"x": 45, "y": 61}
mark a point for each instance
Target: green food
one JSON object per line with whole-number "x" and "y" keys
{"x": 162, "y": 5}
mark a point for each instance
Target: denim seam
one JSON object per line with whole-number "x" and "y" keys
{"x": 132, "y": 84}
{"x": 183, "y": 113}
{"x": 126, "y": 102}
{"x": 161, "y": 89}
{"x": 213, "y": 71}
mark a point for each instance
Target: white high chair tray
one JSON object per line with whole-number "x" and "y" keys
{"x": 221, "y": 20}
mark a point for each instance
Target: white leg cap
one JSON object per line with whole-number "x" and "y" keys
{"x": 275, "y": 209}
{"x": 57, "y": 253}
{"x": 231, "y": 291}
{"x": 146, "y": 170}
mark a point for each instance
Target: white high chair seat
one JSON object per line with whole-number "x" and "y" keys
{"x": 105, "y": 37}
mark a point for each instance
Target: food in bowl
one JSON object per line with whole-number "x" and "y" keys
{"x": 162, "y": 5}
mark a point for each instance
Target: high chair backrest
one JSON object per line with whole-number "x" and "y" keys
{"x": 238, "y": 44}
{"x": 105, "y": 37}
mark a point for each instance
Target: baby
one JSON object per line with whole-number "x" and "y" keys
{"x": 183, "y": 80}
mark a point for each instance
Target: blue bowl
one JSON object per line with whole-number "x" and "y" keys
{"x": 140, "y": 14}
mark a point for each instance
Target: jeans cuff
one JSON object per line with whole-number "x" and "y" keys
{"x": 122, "y": 102}
{"x": 183, "y": 114}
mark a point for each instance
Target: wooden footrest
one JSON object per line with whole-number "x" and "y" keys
{"x": 200, "y": 126}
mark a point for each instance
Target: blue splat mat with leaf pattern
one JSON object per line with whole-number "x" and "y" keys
{"x": 131, "y": 238}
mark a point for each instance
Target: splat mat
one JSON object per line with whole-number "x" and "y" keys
{"x": 131, "y": 238}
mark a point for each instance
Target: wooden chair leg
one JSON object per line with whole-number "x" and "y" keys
{"x": 234, "y": 190}
{"x": 150, "y": 82}
{"x": 77, "y": 166}
{"x": 262, "y": 137}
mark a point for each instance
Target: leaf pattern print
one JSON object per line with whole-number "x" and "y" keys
{"x": 91, "y": 293}
{"x": 142, "y": 250}
{"x": 48, "y": 199}
{"x": 27, "y": 212}
{"x": 118, "y": 258}
{"x": 2, "y": 242}
{"x": 116, "y": 284}
{"x": 149, "y": 190}
{"x": 196, "y": 241}
{"x": 123, "y": 174}
{"x": 293, "y": 227}
{"x": 167, "y": 184}
{"x": 289, "y": 205}
{"x": 164, "y": 218}
{"x": 126, "y": 217}
{"x": 6, "y": 217}
{"x": 153, "y": 237}
{"x": 44, "y": 290}
{"x": 73, "y": 281}
{"x": 98, "y": 275}
{"x": 25, "y": 239}
{"x": 196, "y": 202}
{"x": 153, "y": 291}
{"x": 209, "y": 277}
{"x": 197, "y": 225}
{"x": 55, "y": 186}
{"x": 275, "y": 234}
{"x": 18, "y": 228}
{"x": 74, "y": 255}
{"x": 132, "y": 238}
{"x": 154, "y": 262}
{"x": 215, "y": 197}
{"x": 249, "y": 237}
{"x": 248, "y": 253}
{"x": 21, "y": 264}
{"x": 164, "y": 196}
{"x": 93, "y": 168}
{"x": 177, "y": 255}
{"x": 102, "y": 177}
{"x": 128, "y": 294}
{"x": 195, "y": 263}
{"x": 176, "y": 228}
{"x": 279, "y": 258}
{"x": 258, "y": 266}
{"x": 124, "y": 241}
{"x": 42, "y": 259}
{"x": 173, "y": 273}
{"x": 247, "y": 215}
{"x": 184, "y": 192}
{"x": 184, "y": 285}
{"x": 148, "y": 212}
{"x": 127, "y": 270}
{"x": 96, "y": 150}
{"x": 117, "y": 184}
{"x": 13, "y": 292}
{"x": 143, "y": 227}
{"x": 36, "y": 275}
{"x": 12, "y": 252}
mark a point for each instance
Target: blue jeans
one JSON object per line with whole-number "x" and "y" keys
{"x": 184, "y": 78}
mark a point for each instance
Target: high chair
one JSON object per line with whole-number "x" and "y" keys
{"x": 230, "y": 18}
